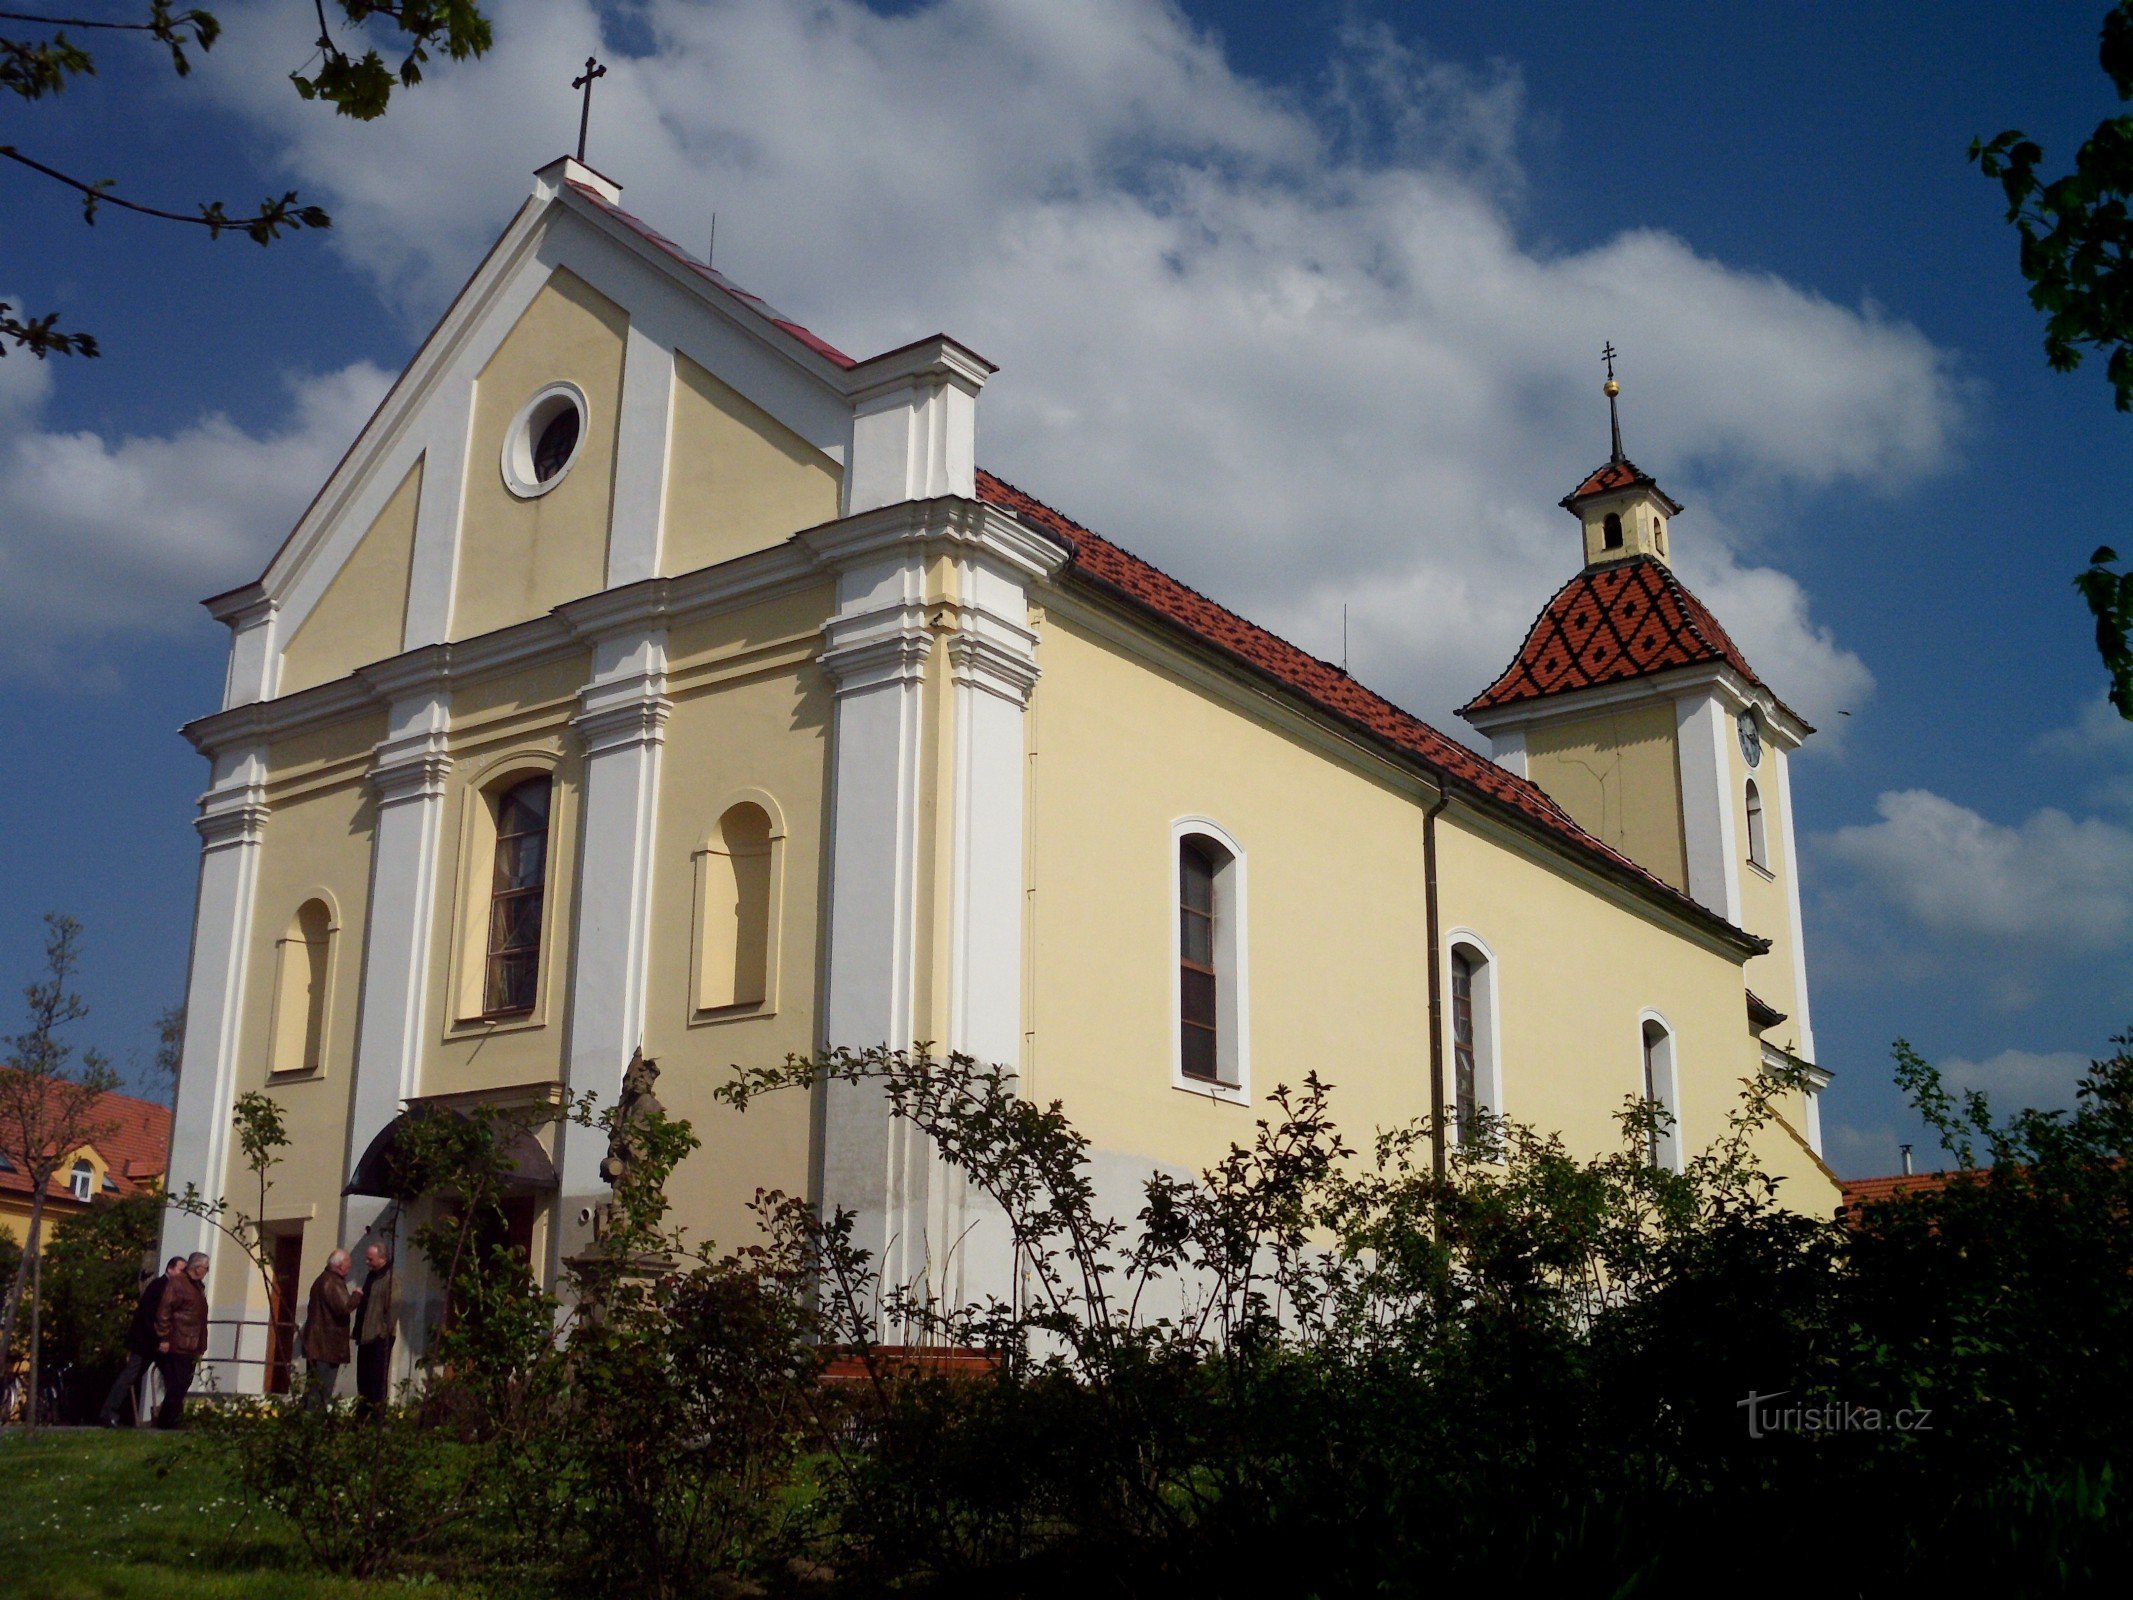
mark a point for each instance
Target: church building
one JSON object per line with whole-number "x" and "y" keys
{"x": 653, "y": 676}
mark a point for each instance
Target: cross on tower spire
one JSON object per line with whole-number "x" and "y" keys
{"x": 1611, "y": 389}
{"x": 593, "y": 70}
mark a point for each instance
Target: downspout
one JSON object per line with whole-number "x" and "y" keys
{"x": 1436, "y": 979}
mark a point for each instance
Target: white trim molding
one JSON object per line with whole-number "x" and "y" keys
{"x": 1488, "y": 1018}
{"x": 1233, "y": 980}
{"x": 1659, "y": 1078}
{"x": 232, "y": 826}
{"x": 621, "y": 725}
{"x": 409, "y": 772}
{"x": 1704, "y": 734}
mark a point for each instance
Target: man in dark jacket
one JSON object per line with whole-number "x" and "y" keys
{"x": 325, "y": 1337}
{"x": 376, "y": 1324}
{"x": 140, "y": 1342}
{"x": 181, "y": 1335}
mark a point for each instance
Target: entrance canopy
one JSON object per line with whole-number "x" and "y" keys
{"x": 379, "y": 1170}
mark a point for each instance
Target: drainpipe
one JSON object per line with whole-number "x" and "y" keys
{"x": 1436, "y": 979}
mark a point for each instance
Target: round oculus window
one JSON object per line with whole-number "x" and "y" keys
{"x": 543, "y": 440}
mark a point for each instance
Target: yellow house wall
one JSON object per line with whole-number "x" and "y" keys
{"x": 362, "y": 616}
{"x": 1335, "y": 928}
{"x": 317, "y": 843}
{"x": 59, "y": 1210}
{"x": 519, "y": 558}
{"x": 751, "y": 721}
{"x": 500, "y": 725}
{"x": 1618, "y": 772}
{"x": 737, "y": 479}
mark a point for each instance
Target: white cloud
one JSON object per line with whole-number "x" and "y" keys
{"x": 1291, "y": 346}
{"x": 101, "y": 536}
{"x": 2014, "y": 1079}
{"x": 2053, "y": 882}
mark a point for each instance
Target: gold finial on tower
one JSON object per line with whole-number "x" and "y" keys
{"x": 1611, "y": 389}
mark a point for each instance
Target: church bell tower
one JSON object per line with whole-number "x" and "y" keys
{"x": 1636, "y": 712}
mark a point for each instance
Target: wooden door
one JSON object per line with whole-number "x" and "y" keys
{"x": 282, "y": 1308}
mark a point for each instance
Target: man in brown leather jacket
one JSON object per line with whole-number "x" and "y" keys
{"x": 181, "y": 1336}
{"x": 325, "y": 1336}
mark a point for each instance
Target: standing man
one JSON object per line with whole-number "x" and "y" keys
{"x": 376, "y": 1324}
{"x": 325, "y": 1337}
{"x": 140, "y": 1342}
{"x": 181, "y": 1335}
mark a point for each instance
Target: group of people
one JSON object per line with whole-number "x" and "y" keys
{"x": 340, "y": 1314}
{"x": 169, "y": 1333}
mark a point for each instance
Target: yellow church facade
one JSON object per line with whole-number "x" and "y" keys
{"x": 653, "y": 676}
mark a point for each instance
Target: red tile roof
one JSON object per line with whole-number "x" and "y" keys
{"x": 1873, "y": 1191}
{"x": 1610, "y": 623}
{"x": 712, "y": 275}
{"x": 1616, "y": 474}
{"x": 135, "y": 1149}
{"x": 1099, "y": 562}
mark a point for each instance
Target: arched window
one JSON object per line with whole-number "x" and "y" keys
{"x": 517, "y": 887}
{"x": 1758, "y": 839}
{"x": 1611, "y": 531}
{"x": 1474, "y": 1085}
{"x": 1663, "y": 1142}
{"x": 1210, "y": 980}
{"x": 304, "y": 973}
{"x": 737, "y": 921}
{"x": 81, "y": 1180}
{"x": 1199, "y": 986}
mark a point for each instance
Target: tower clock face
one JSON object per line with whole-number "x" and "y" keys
{"x": 1751, "y": 737}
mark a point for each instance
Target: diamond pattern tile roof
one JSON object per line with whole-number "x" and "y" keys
{"x": 1155, "y": 593}
{"x": 1609, "y": 624}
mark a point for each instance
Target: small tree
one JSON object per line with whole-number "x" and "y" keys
{"x": 47, "y": 1113}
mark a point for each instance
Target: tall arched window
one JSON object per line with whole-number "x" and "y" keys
{"x": 1474, "y": 1086}
{"x": 81, "y": 1180}
{"x": 738, "y": 918}
{"x": 304, "y": 972}
{"x": 1199, "y": 986}
{"x": 1663, "y": 1142}
{"x": 517, "y": 887}
{"x": 1611, "y": 531}
{"x": 1758, "y": 838}
{"x": 1211, "y": 1015}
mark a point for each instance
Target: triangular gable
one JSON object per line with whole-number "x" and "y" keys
{"x": 423, "y": 431}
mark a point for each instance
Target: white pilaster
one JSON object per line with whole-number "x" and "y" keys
{"x": 232, "y": 825}
{"x": 1782, "y": 758}
{"x": 640, "y": 459}
{"x": 872, "y": 1164}
{"x": 1508, "y": 750}
{"x": 621, "y": 724}
{"x": 1704, "y": 729}
{"x": 914, "y": 425}
{"x": 408, "y": 775}
{"x": 255, "y": 655}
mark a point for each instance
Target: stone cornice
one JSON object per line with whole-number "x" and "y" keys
{"x": 623, "y": 716}
{"x": 1734, "y": 692}
{"x": 1008, "y": 670}
{"x": 234, "y": 819}
{"x": 950, "y": 522}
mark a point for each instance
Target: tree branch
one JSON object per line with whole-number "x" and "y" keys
{"x": 273, "y": 217}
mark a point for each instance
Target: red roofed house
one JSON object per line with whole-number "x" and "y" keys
{"x": 654, "y": 675}
{"x": 131, "y": 1156}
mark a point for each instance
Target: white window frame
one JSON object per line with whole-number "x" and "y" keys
{"x": 1757, "y": 814}
{"x": 81, "y": 1181}
{"x": 1665, "y": 1084}
{"x": 1233, "y": 995}
{"x": 1488, "y": 1027}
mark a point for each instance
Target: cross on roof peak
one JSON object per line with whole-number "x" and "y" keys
{"x": 593, "y": 70}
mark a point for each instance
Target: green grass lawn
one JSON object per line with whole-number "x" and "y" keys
{"x": 86, "y": 1515}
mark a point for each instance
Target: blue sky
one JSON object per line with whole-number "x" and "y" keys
{"x": 1302, "y": 302}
